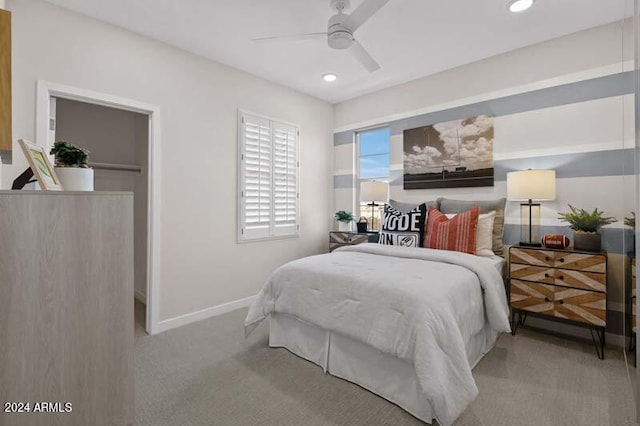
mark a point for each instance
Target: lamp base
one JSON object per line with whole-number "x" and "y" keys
{"x": 523, "y": 244}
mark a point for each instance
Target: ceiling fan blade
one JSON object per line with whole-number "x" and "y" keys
{"x": 363, "y": 57}
{"x": 362, "y": 13}
{"x": 290, "y": 37}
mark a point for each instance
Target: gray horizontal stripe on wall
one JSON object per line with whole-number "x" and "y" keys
{"x": 344, "y": 181}
{"x": 581, "y": 91}
{"x": 614, "y": 240}
{"x": 596, "y": 88}
{"x": 614, "y": 162}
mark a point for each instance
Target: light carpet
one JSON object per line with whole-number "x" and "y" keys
{"x": 206, "y": 373}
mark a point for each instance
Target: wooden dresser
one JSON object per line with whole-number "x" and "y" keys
{"x": 565, "y": 285}
{"x": 339, "y": 239}
{"x": 66, "y": 307}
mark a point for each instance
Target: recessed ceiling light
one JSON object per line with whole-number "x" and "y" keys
{"x": 516, "y": 6}
{"x": 329, "y": 77}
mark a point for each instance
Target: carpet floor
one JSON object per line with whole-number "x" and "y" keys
{"x": 207, "y": 373}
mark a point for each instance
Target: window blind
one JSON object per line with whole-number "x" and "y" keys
{"x": 268, "y": 201}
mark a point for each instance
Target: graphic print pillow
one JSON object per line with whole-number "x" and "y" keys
{"x": 403, "y": 229}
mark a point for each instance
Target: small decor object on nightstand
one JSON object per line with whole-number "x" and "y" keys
{"x": 71, "y": 167}
{"x": 344, "y": 220}
{"x": 558, "y": 241}
{"x": 362, "y": 225}
{"x": 586, "y": 225}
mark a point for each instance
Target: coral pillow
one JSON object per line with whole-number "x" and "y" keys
{"x": 484, "y": 237}
{"x": 456, "y": 234}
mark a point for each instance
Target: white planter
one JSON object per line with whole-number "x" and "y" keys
{"x": 344, "y": 226}
{"x": 75, "y": 178}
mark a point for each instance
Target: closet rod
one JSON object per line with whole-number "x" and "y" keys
{"x": 121, "y": 167}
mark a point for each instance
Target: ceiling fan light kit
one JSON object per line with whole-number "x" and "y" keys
{"x": 516, "y": 6}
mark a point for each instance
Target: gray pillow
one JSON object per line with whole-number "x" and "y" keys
{"x": 407, "y": 207}
{"x": 459, "y": 206}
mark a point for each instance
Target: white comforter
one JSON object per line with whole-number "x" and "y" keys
{"x": 418, "y": 304}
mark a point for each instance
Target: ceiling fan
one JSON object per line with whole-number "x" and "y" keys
{"x": 341, "y": 28}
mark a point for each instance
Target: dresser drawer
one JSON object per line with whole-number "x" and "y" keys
{"x": 533, "y": 257}
{"x": 585, "y": 306}
{"x": 563, "y": 277}
{"x": 559, "y": 259}
{"x": 347, "y": 238}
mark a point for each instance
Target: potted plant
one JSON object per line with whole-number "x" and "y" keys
{"x": 344, "y": 220}
{"x": 585, "y": 226}
{"x": 71, "y": 167}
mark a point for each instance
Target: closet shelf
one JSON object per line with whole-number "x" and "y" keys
{"x": 120, "y": 167}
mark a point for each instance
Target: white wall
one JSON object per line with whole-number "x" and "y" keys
{"x": 590, "y": 52}
{"x": 201, "y": 264}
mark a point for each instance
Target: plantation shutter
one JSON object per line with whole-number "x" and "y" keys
{"x": 285, "y": 178}
{"x": 268, "y": 178}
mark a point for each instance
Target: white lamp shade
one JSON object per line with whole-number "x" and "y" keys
{"x": 374, "y": 192}
{"x": 531, "y": 185}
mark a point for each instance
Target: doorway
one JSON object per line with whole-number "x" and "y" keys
{"x": 122, "y": 137}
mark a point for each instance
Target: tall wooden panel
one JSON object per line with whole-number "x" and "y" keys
{"x": 66, "y": 307}
{"x": 5, "y": 84}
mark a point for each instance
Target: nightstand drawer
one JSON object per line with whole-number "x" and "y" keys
{"x": 534, "y": 257}
{"x": 532, "y": 297}
{"x": 574, "y": 304}
{"x": 563, "y": 277}
{"x": 559, "y": 259}
{"x": 347, "y": 238}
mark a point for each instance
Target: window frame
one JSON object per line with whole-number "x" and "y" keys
{"x": 273, "y": 233}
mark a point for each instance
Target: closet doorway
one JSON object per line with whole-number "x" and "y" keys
{"x": 120, "y": 136}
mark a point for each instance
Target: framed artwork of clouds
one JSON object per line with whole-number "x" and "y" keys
{"x": 453, "y": 154}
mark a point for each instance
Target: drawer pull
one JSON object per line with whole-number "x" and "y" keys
{"x": 547, "y": 258}
{"x": 561, "y": 302}
{"x": 562, "y": 260}
{"x": 546, "y": 299}
{"x": 546, "y": 275}
{"x": 561, "y": 277}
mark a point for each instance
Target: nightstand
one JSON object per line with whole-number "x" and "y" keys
{"x": 562, "y": 285}
{"x": 339, "y": 239}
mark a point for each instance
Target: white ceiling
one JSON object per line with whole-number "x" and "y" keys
{"x": 408, "y": 38}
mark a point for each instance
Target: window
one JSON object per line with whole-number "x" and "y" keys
{"x": 268, "y": 178}
{"x": 373, "y": 164}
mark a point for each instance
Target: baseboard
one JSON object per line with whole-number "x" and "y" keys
{"x": 185, "y": 319}
{"x": 140, "y": 296}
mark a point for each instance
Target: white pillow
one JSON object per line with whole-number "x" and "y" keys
{"x": 484, "y": 234}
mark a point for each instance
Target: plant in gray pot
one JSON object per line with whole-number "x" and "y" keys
{"x": 71, "y": 167}
{"x": 586, "y": 226}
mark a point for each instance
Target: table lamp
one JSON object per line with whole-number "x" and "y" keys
{"x": 530, "y": 185}
{"x": 374, "y": 192}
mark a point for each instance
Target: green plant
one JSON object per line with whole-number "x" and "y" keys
{"x": 630, "y": 221}
{"x": 582, "y": 220}
{"x": 69, "y": 155}
{"x": 343, "y": 216}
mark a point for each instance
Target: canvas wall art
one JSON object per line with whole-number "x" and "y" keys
{"x": 453, "y": 154}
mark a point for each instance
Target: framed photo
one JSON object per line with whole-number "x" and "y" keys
{"x": 41, "y": 166}
{"x": 453, "y": 154}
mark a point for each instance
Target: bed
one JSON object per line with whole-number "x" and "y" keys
{"x": 408, "y": 324}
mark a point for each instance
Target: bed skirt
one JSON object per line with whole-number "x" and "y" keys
{"x": 385, "y": 375}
